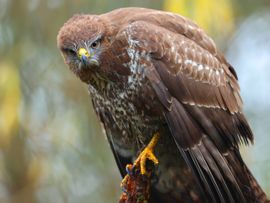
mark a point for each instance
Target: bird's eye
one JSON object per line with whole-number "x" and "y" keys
{"x": 95, "y": 44}
{"x": 69, "y": 51}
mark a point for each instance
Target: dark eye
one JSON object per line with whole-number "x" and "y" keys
{"x": 95, "y": 44}
{"x": 69, "y": 51}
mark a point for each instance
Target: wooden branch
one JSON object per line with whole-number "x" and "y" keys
{"x": 135, "y": 186}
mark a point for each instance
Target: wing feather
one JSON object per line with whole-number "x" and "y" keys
{"x": 196, "y": 105}
{"x": 202, "y": 106}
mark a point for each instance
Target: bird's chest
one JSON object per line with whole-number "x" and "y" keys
{"x": 128, "y": 113}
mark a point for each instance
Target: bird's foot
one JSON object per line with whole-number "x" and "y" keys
{"x": 147, "y": 154}
{"x": 136, "y": 184}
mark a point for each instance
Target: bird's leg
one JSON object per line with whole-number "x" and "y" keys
{"x": 136, "y": 184}
{"x": 147, "y": 154}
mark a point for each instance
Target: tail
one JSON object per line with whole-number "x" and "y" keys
{"x": 250, "y": 188}
{"x": 256, "y": 189}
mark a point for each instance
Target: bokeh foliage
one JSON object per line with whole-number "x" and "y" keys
{"x": 51, "y": 144}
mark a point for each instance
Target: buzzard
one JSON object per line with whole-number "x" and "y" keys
{"x": 156, "y": 77}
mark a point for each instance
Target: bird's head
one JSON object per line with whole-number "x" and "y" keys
{"x": 82, "y": 43}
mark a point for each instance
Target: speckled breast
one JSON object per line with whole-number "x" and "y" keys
{"x": 131, "y": 113}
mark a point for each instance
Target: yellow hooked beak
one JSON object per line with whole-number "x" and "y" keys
{"x": 87, "y": 58}
{"x": 83, "y": 54}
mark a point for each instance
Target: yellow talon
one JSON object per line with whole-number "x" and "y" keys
{"x": 147, "y": 154}
{"x": 135, "y": 185}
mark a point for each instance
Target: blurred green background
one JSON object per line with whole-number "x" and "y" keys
{"x": 52, "y": 149}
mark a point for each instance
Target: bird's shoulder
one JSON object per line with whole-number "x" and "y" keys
{"x": 149, "y": 20}
{"x": 179, "y": 52}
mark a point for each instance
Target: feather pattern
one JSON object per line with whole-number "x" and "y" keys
{"x": 204, "y": 109}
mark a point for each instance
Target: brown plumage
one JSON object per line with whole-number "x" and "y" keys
{"x": 152, "y": 71}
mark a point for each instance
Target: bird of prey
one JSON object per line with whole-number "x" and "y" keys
{"x": 157, "y": 77}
